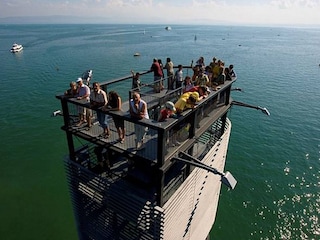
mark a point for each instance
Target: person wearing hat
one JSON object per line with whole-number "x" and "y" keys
{"x": 167, "y": 112}
{"x": 187, "y": 100}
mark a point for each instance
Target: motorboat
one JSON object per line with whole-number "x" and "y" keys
{"x": 168, "y": 28}
{"x": 16, "y": 48}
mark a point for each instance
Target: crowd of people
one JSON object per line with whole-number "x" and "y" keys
{"x": 194, "y": 88}
{"x": 100, "y": 101}
{"x": 211, "y": 75}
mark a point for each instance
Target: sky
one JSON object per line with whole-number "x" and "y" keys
{"x": 234, "y": 12}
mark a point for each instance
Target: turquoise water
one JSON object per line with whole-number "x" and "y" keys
{"x": 275, "y": 159}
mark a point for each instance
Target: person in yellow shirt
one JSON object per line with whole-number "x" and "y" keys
{"x": 186, "y": 101}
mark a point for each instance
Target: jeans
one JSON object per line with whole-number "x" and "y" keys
{"x": 102, "y": 118}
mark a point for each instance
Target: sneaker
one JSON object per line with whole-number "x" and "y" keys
{"x": 122, "y": 140}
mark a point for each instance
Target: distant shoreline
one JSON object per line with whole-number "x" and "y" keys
{"x": 56, "y": 19}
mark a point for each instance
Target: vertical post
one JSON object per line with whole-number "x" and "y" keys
{"x": 159, "y": 186}
{"x": 66, "y": 119}
{"x": 160, "y": 161}
{"x": 228, "y": 93}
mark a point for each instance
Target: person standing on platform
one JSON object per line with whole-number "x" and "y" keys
{"x": 157, "y": 73}
{"x": 179, "y": 77}
{"x": 138, "y": 110}
{"x": 115, "y": 104}
{"x": 170, "y": 73}
{"x": 98, "y": 99}
{"x": 84, "y": 96}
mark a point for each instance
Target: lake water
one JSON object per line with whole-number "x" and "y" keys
{"x": 275, "y": 159}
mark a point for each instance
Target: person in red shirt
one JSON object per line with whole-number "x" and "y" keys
{"x": 158, "y": 74}
{"x": 167, "y": 112}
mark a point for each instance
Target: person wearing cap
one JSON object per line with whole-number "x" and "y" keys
{"x": 167, "y": 112}
{"x": 186, "y": 101}
{"x": 84, "y": 95}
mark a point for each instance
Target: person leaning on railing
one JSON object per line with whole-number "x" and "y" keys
{"x": 139, "y": 110}
{"x": 72, "y": 91}
{"x": 186, "y": 101}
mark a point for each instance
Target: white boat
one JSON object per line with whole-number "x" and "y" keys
{"x": 16, "y": 48}
{"x": 168, "y": 28}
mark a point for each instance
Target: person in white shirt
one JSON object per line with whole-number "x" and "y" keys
{"x": 83, "y": 96}
{"x": 179, "y": 76}
{"x": 139, "y": 110}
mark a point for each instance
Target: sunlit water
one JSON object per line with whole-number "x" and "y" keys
{"x": 275, "y": 159}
